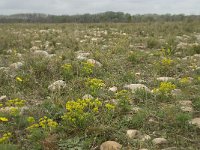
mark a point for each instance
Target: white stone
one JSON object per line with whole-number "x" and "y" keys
{"x": 113, "y": 89}
{"x": 110, "y": 145}
{"x": 145, "y": 137}
{"x": 94, "y": 62}
{"x": 132, "y": 134}
{"x": 16, "y": 66}
{"x": 87, "y": 96}
{"x": 3, "y": 97}
{"x": 165, "y": 79}
{"x": 82, "y": 55}
{"x": 186, "y": 106}
{"x": 135, "y": 87}
{"x": 40, "y": 53}
{"x": 196, "y": 121}
{"x": 176, "y": 92}
{"x": 58, "y": 85}
{"x": 159, "y": 141}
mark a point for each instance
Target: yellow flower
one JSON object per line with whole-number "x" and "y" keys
{"x": 5, "y": 137}
{"x": 30, "y": 119}
{"x": 110, "y": 107}
{"x": 19, "y": 79}
{"x": 3, "y": 119}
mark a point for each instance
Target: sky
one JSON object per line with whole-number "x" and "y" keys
{"x": 70, "y": 7}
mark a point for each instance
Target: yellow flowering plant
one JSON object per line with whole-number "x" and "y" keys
{"x": 81, "y": 112}
{"x": 67, "y": 71}
{"x": 44, "y": 123}
{"x": 164, "y": 90}
{"x": 5, "y": 137}
{"x": 87, "y": 68}
{"x": 94, "y": 85}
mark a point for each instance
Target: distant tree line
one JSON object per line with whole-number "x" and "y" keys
{"x": 115, "y": 17}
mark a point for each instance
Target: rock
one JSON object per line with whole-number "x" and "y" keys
{"x": 170, "y": 148}
{"x": 135, "y": 87}
{"x": 58, "y": 85}
{"x": 135, "y": 109}
{"x": 159, "y": 141}
{"x": 41, "y": 53}
{"x": 133, "y": 134}
{"x": 196, "y": 121}
{"x": 176, "y": 92}
{"x": 186, "y": 106}
{"x": 145, "y": 137}
{"x": 16, "y": 66}
{"x": 165, "y": 79}
{"x": 110, "y": 145}
{"x": 113, "y": 89}
{"x": 87, "y": 96}
{"x": 94, "y": 62}
{"x": 82, "y": 55}
{"x": 3, "y": 97}
{"x": 182, "y": 45}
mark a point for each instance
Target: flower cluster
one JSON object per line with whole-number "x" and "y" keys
{"x": 19, "y": 79}
{"x": 43, "y": 122}
{"x": 87, "y": 68}
{"x": 3, "y": 119}
{"x": 5, "y": 137}
{"x": 94, "y": 84}
{"x": 67, "y": 71}
{"x": 110, "y": 107}
{"x": 15, "y": 102}
{"x": 166, "y": 61}
{"x": 81, "y": 110}
{"x": 165, "y": 88}
{"x": 185, "y": 80}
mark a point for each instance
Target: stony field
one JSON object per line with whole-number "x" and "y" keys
{"x": 100, "y": 86}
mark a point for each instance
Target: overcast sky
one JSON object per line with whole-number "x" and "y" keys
{"x": 59, "y": 7}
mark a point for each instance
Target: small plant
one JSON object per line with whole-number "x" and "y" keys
{"x": 81, "y": 112}
{"x": 5, "y": 137}
{"x": 87, "y": 68}
{"x": 94, "y": 85}
{"x": 164, "y": 90}
{"x": 67, "y": 71}
{"x": 123, "y": 98}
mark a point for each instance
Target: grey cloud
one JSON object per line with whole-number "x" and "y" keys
{"x": 91, "y": 6}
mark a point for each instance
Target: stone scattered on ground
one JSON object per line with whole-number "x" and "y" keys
{"x": 110, "y": 145}
{"x": 196, "y": 121}
{"x": 42, "y": 53}
{"x": 159, "y": 141}
{"x": 57, "y": 85}
{"x": 94, "y": 62}
{"x": 3, "y": 97}
{"x": 176, "y": 92}
{"x": 165, "y": 79}
{"x": 82, "y": 55}
{"x": 16, "y": 66}
{"x": 170, "y": 148}
{"x": 135, "y": 87}
{"x": 135, "y": 109}
{"x": 186, "y": 106}
{"x": 113, "y": 89}
{"x": 135, "y": 134}
{"x": 132, "y": 134}
{"x": 87, "y": 96}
